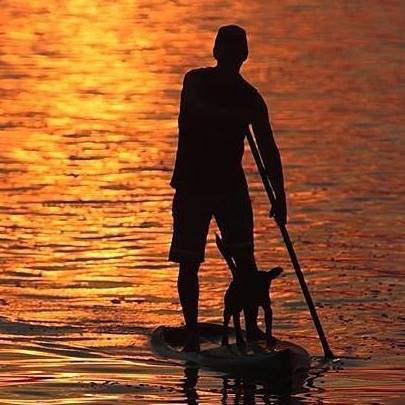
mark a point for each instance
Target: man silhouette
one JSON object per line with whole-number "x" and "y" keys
{"x": 216, "y": 108}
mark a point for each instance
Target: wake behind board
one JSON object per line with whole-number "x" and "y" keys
{"x": 284, "y": 358}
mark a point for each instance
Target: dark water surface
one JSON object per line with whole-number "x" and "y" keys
{"x": 88, "y": 108}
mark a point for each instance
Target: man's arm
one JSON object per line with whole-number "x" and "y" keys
{"x": 270, "y": 156}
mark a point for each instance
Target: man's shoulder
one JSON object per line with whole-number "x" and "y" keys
{"x": 198, "y": 73}
{"x": 250, "y": 89}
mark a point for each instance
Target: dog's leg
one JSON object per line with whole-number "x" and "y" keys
{"x": 250, "y": 316}
{"x": 227, "y": 317}
{"x": 238, "y": 331}
{"x": 253, "y": 332}
{"x": 268, "y": 318}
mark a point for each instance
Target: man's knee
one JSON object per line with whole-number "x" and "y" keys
{"x": 189, "y": 268}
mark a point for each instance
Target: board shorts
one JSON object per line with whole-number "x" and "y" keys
{"x": 192, "y": 214}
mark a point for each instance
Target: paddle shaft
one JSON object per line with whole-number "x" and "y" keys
{"x": 267, "y": 185}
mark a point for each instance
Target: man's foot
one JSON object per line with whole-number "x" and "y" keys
{"x": 192, "y": 343}
{"x": 192, "y": 347}
{"x": 271, "y": 341}
{"x": 255, "y": 334}
{"x": 241, "y": 344}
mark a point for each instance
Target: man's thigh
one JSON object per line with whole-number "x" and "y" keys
{"x": 191, "y": 218}
{"x": 234, "y": 216}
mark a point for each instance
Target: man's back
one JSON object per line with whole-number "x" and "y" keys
{"x": 214, "y": 116}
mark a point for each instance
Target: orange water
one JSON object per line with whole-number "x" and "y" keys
{"x": 88, "y": 108}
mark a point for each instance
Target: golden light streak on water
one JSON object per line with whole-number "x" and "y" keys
{"x": 88, "y": 114}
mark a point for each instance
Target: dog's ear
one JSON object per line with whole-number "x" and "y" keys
{"x": 274, "y": 273}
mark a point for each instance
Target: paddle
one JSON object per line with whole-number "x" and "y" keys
{"x": 266, "y": 182}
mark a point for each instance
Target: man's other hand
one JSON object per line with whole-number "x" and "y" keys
{"x": 279, "y": 211}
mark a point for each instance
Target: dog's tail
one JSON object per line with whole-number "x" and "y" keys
{"x": 274, "y": 273}
{"x": 225, "y": 253}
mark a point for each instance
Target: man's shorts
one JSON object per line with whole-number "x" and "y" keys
{"x": 192, "y": 213}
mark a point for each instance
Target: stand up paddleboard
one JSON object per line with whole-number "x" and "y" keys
{"x": 284, "y": 358}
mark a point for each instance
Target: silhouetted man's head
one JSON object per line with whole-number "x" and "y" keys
{"x": 231, "y": 48}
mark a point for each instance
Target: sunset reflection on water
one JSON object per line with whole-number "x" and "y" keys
{"x": 88, "y": 121}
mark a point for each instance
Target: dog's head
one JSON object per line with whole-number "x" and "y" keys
{"x": 273, "y": 273}
{"x": 263, "y": 283}
{"x": 266, "y": 277}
